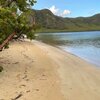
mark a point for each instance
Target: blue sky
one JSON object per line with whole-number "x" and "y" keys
{"x": 70, "y": 8}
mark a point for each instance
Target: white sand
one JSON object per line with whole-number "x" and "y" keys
{"x": 41, "y": 72}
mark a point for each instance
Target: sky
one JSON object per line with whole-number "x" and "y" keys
{"x": 70, "y": 8}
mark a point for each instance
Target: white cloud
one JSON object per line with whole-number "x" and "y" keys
{"x": 54, "y": 9}
{"x": 66, "y": 12}
{"x": 58, "y": 12}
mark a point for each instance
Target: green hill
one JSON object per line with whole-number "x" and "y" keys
{"x": 52, "y": 23}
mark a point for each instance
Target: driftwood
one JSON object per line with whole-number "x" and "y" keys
{"x": 17, "y": 97}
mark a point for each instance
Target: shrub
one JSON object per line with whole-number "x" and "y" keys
{"x": 1, "y": 68}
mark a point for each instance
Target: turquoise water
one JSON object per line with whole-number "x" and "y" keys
{"x": 83, "y": 44}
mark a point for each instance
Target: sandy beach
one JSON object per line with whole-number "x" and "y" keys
{"x": 37, "y": 71}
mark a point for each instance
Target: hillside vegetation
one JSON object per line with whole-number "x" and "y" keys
{"x": 50, "y": 22}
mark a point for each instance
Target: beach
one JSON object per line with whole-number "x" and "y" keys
{"x": 37, "y": 71}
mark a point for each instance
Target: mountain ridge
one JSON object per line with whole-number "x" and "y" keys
{"x": 48, "y": 21}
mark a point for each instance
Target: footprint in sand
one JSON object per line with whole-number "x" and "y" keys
{"x": 15, "y": 63}
{"x": 27, "y": 57}
{"x": 43, "y": 77}
{"x": 23, "y": 85}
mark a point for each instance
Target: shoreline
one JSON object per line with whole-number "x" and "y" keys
{"x": 77, "y": 64}
{"x": 86, "y": 60}
{"x": 72, "y": 54}
{"x": 67, "y": 31}
{"x": 39, "y": 71}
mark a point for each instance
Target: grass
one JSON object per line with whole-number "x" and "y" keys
{"x": 70, "y": 29}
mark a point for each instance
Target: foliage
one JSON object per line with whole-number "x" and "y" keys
{"x": 7, "y": 23}
{"x": 12, "y": 20}
{"x": 1, "y": 68}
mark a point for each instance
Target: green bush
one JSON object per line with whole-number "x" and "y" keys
{"x": 1, "y": 68}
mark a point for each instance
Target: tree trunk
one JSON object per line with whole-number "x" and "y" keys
{"x": 7, "y": 41}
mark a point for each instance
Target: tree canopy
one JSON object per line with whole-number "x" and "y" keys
{"x": 12, "y": 18}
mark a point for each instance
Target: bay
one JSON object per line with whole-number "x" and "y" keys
{"x": 85, "y": 45}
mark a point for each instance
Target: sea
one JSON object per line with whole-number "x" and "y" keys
{"x": 85, "y": 45}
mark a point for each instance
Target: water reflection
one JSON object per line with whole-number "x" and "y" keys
{"x": 83, "y": 44}
{"x": 50, "y": 39}
{"x": 76, "y": 39}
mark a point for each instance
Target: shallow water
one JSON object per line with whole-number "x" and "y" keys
{"x": 83, "y": 44}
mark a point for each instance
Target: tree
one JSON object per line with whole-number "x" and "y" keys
{"x": 14, "y": 21}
